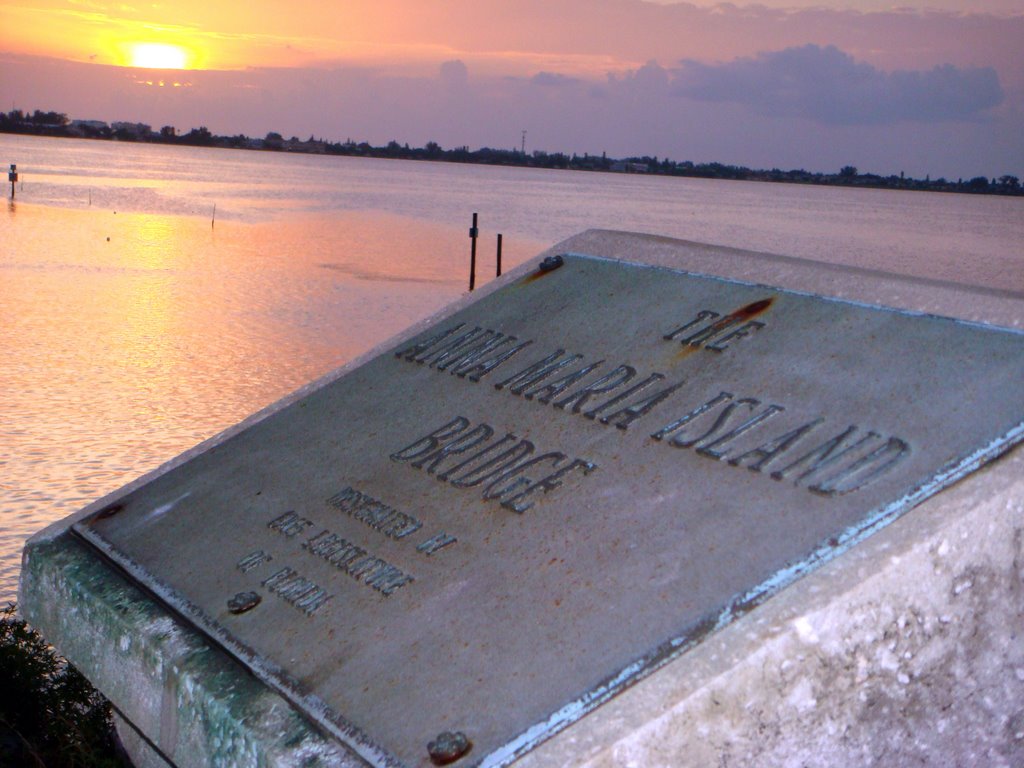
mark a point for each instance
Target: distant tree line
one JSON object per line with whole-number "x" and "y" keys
{"x": 58, "y": 124}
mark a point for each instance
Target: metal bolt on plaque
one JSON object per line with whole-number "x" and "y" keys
{"x": 551, "y": 263}
{"x": 244, "y": 601}
{"x": 109, "y": 511}
{"x": 448, "y": 747}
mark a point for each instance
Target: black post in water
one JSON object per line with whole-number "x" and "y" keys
{"x": 499, "y": 254}
{"x": 12, "y": 176}
{"x": 473, "y": 232}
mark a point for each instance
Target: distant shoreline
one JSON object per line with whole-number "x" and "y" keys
{"x": 56, "y": 124}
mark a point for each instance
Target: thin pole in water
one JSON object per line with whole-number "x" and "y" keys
{"x": 473, "y": 232}
{"x": 499, "y": 255}
{"x": 212, "y": 218}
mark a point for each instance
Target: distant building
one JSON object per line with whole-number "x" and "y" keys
{"x": 309, "y": 147}
{"x": 88, "y": 128}
{"x": 90, "y": 125}
{"x": 132, "y": 129}
{"x": 622, "y": 166}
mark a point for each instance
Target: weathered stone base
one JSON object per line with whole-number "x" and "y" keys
{"x": 139, "y": 750}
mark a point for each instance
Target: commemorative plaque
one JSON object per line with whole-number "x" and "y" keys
{"x": 456, "y": 549}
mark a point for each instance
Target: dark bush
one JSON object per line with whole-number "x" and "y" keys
{"x": 50, "y": 715}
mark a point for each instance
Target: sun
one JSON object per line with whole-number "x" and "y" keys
{"x": 158, "y": 56}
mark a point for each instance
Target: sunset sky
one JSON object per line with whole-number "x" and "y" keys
{"x": 934, "y": 89}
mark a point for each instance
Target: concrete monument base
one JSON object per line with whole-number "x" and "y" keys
{"x": 908, "y": 649}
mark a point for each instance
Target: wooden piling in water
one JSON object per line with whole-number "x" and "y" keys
{"x": 473, "y": 232}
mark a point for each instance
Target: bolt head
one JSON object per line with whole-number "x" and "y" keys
{"x": 551, "y": 263}
{"x": 111, "y": 510}
{"x": 244, "y": 601}
{"x": 448, "y": 747}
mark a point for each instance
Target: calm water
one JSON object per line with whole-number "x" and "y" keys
{"x": 132, "y": 329}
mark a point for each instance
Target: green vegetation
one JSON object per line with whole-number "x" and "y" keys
{"x": 58, "y": 124}
{"x": 49, "y": 713}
